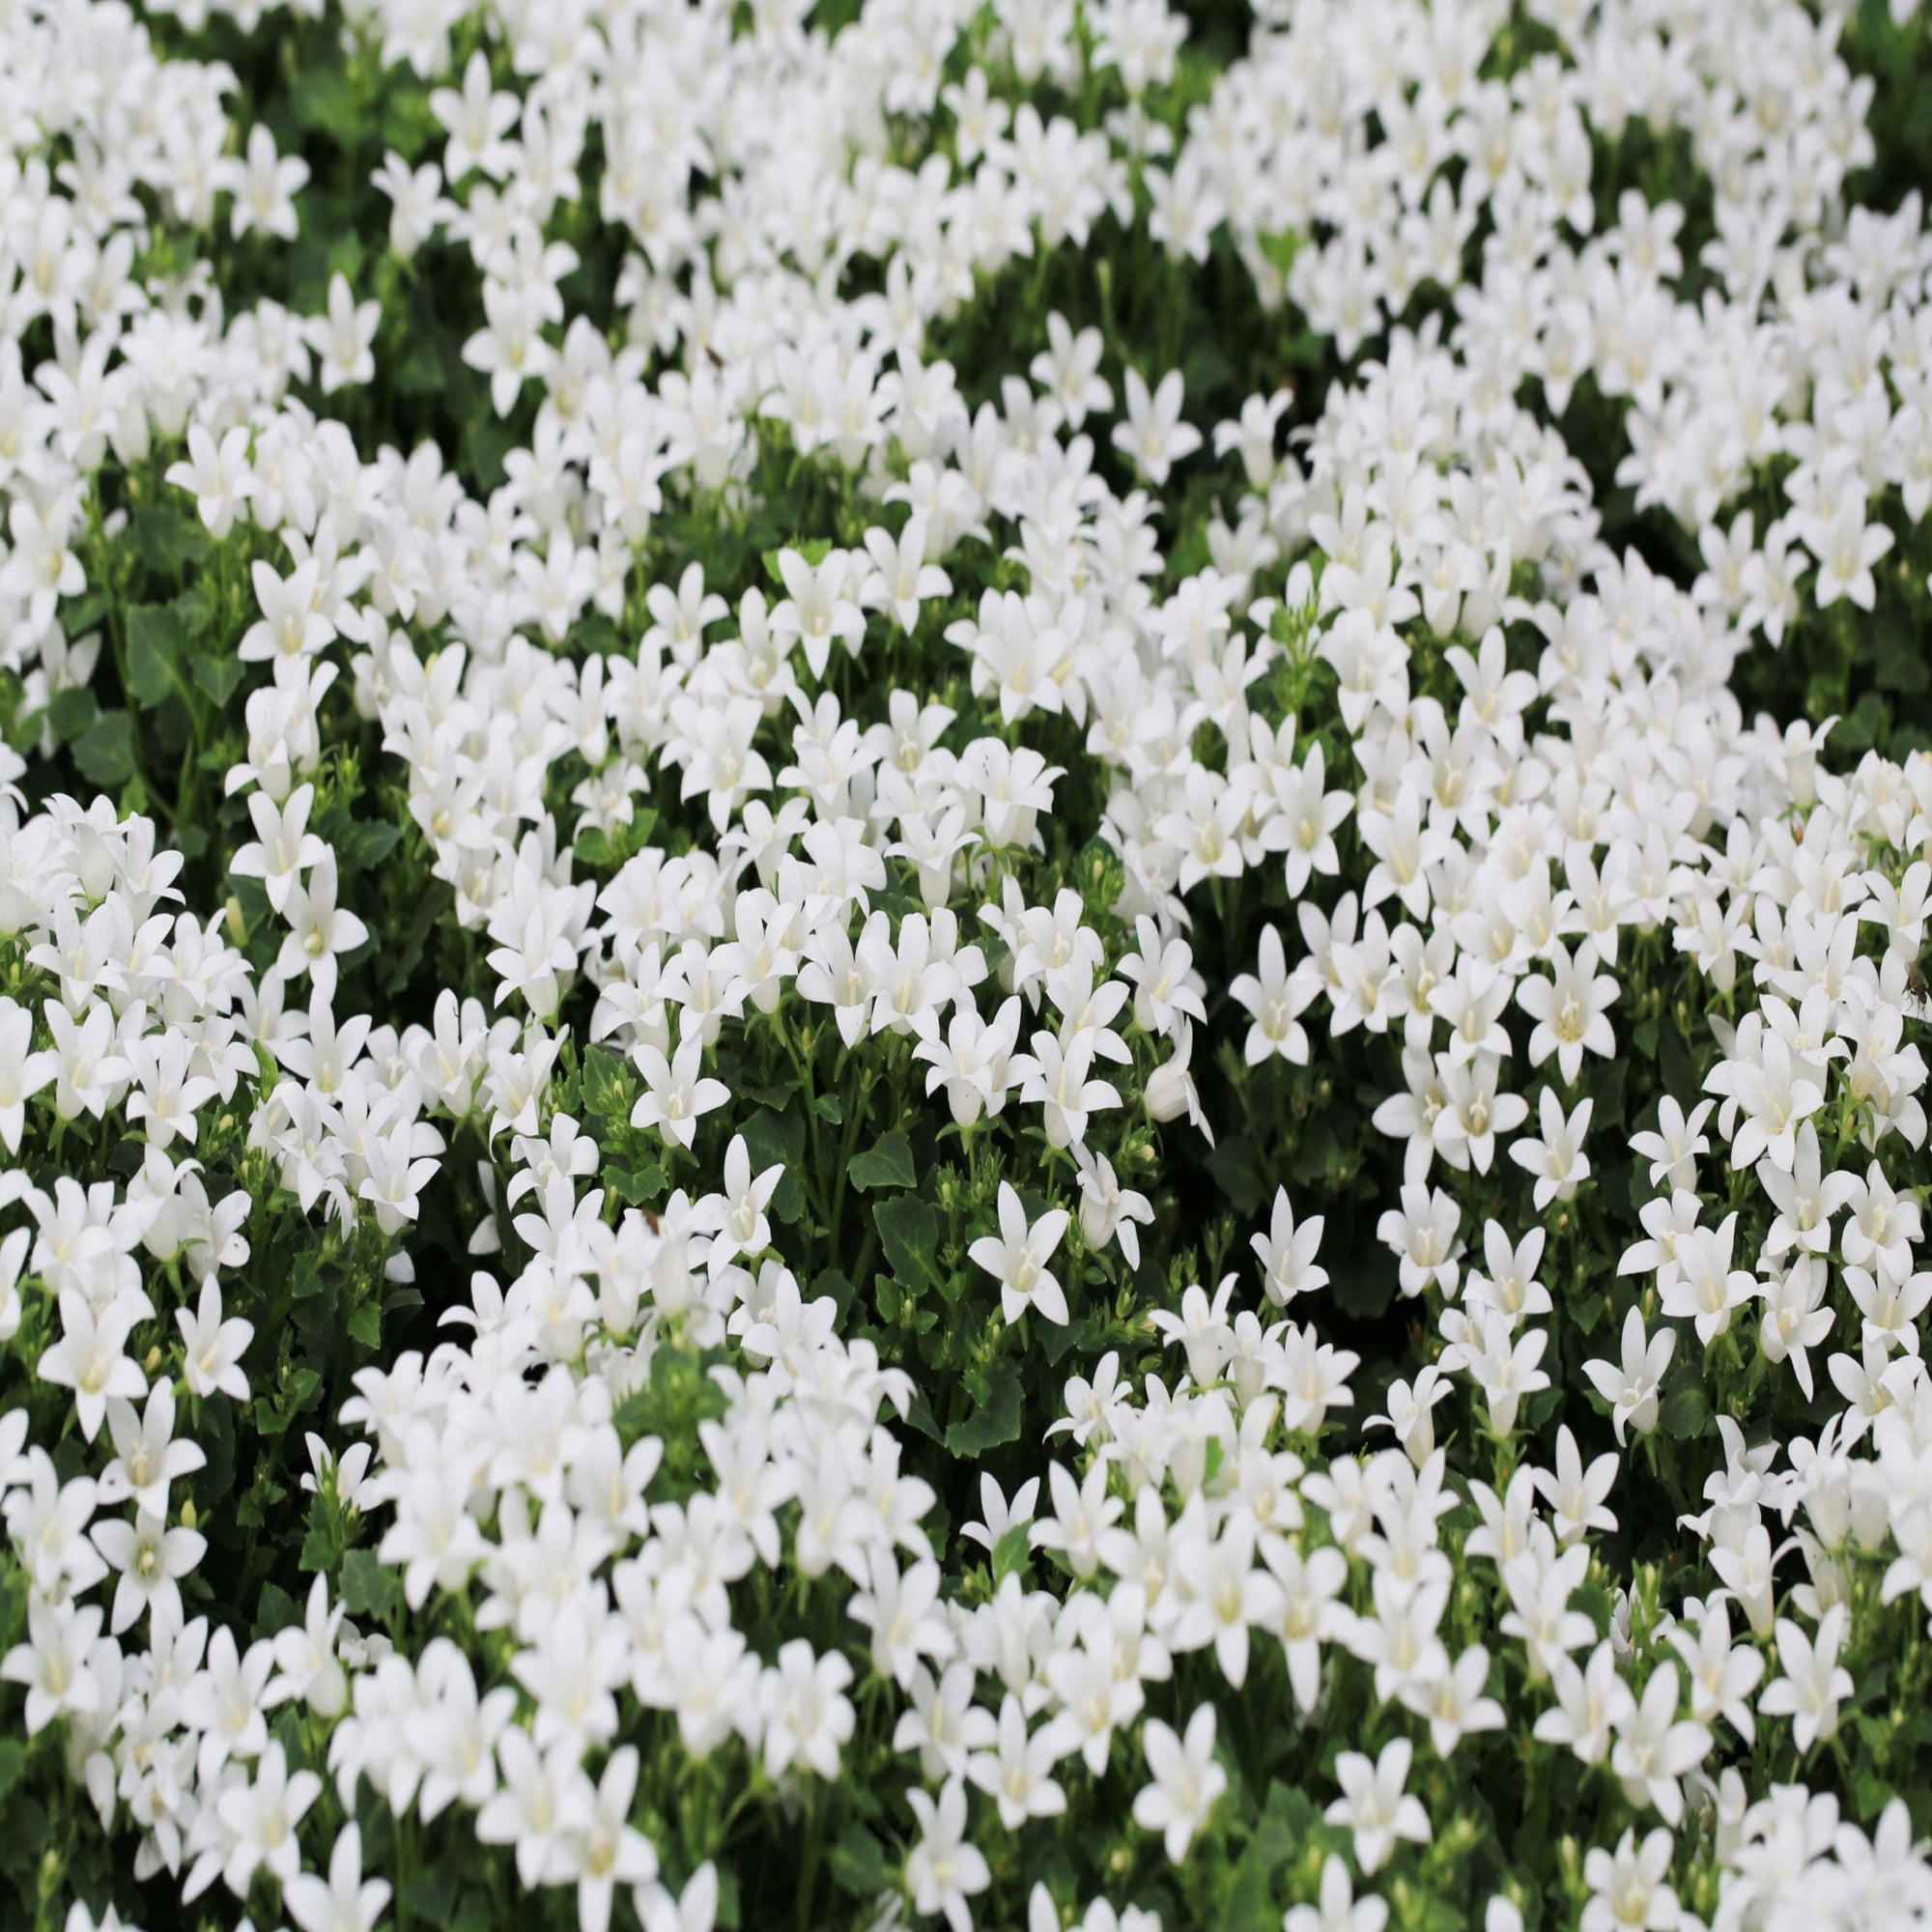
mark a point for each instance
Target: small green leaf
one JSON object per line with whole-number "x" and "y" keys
{"x": 610, "y": 1086}
{"x": 1281, "y": 246}
{"x": 366, "y": 844}
{"x": 430, "y": 1892}
{"x": 277, "y": 1610}
{"x": 165, "y": 540}
{"x": 153, "y": 652}
{"x": 909, "y": 1230}
{"x": 370, "y": 1589}
{"x": 219, "y": 675}
{"x": 886, "y": 1163}
{"x": 831, "y": 1108}
{"x": 1013, "y": 1552}
{"x": 859, "y": 1864}
{"x": 636, "y": 1187}
{"x": 105, "y": 751}
{"x": 1685, "y": 1413}
{"x": 72, "y": 711}
{"x": 994, "y": 1421}
{"x": 775, "y": 1137}
{"x": 1235, "y": 1167}
{"x": 196, "y": 609}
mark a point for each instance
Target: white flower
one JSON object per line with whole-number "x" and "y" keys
{"x": 346, "y": 1902}
{"x": 1557, "y": 1158}
{"x": 283, "y": 847}
{"x": 901, "y": 578}
{"x": 318, "y": 929}
{"x": 808, "y": 1716}
{"x": 1569, "y": 1009}
{"x": 1814, "y": 1683}
{"x": 944, "y": 1869}
{"x": 1186, "y": 1780}
{"x": 1153, "y": 438}
{"x": 1655, "y": 1749}
{"x": 262, "y": 1817}
{"x": 676, "y": 1093}
{"x": 1017, "y": 1258}
{"x": 1339, "y": 1910}
{"x": 23, "y": 1072}
{"x": 213, "y": 1347}
{"x": 54, "y": 1664}
{"x": 1672, "y": 1149}
{"x": 217, "y": 474}
{"x": 694, "y": 1910}
{"x": 819, "y": 605}
{"x": 151, "y": 1559}
{"x": 1109, "y": 1211}
{"x": 265, "y": 186}
{"x": 1374, "y": 1806}
{"x": 1627, "y": 1888}
{"x": 1017, "y": 1772}
{"x": 1276, "y": 999}
{"x": 344, "y": 337}
{"x": 1633, "y": 1386}
{"x": 901, "y": 1609}
{"x": 610, "y": 1851}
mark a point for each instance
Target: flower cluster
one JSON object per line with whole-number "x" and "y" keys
{"x": 958, "y": 965}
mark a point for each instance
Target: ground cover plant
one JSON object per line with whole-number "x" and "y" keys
{"x": 962, "y": 963}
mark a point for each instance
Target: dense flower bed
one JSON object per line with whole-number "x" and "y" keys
{"x": 963, "y": 962}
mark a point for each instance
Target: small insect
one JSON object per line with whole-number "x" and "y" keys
{"x": 717, "y": 360}
{"x": 1918, "y": 995}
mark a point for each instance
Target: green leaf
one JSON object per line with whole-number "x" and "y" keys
{"x": 1235, "y": 1167}
{"x": 196, "y": 609}
{"x": 636, "y": 1187}
{"x": 994, "y": 1421}
{"x": 1281, "y": 246}
{"x": 72, "y": 711}
{"x": 155, "y": 643}
{"x": 859, "y": 1864}
{"x": 1901, "y": 661}
{"x": 24, "y": 1838}
{"x": 105, "y": 751}
{"x": 831, "y": 1108}
{"x": 365, "y": 1325}
{"x": 165, "y": 540}
{"x": 370, "y": 1589}
{"x": 919, "y": 1413}
{"x": 1013, "y": 1552}
{"x": 775, "y": 1138}
{"x": 1246, "y": 1898}
{"x": 476, "y": 1913}
{"x": 305, "y": 1276}
{"x": 277, "y": 1610}
{"x": 219, "y": 675}
{"x": 909, "y": 1231}
{"x": 886, "y": 1163}
{"x": 1685, "y": 1413}
{"x": 610, "y": 1086}
{"x": 367, "y": 843}
{"x": 13, "y": 1762}
{"x": 430, "y": 1892}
